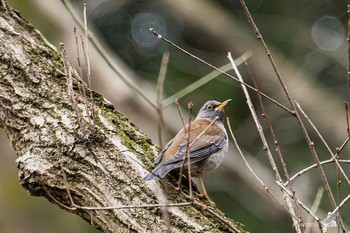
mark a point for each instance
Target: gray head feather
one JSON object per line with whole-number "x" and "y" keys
{"x": 212, "y": 109}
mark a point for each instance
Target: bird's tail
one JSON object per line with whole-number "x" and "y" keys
{"x": 159, "y": 172}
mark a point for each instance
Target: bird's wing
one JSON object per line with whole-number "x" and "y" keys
{"x": 161, "y": 153}
{"x": 212, "y": 140}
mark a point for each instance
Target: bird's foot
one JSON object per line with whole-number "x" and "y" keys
{"x": 205, "y": 196}
{"x": 178, "y": 189}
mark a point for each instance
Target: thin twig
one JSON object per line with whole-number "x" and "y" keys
{"x": 190, "y": 108}
{"x": 58, "y": 202}
{"x": 319, "y": 166}
{"x": 187, "y": 155}
{"x": 164, "y": 209}
{"x": 347, "y": 113}
{"x": 135, "y": 206}
{"x": 318, "y": 220}
{"x": 315, "y": 205}
{"x": 340, "y": 149}
{"x": 66, "y": 185}
{"x": 276, "y": 143}
{"x": 265, "y": 187}
{"x": 160, "y": 85}
{"x": 87, "y": 63}
{"x": 318, "y": 162}
{"x": 223, "y": 220}
{"x": 118, "y": 207}
{"x": 306, "y": 135}
{"x": 188, "y": 89}
{"x": 298, "y": 174}
{"x": 193, "y": 142}
{"x": 341, "y": 205}
{"x": 184, "y": 127}
{"x": 3, "y": 2}
{"x": 316, "y": 158}
{"x": 205, "y": 130}
{"x": 180, "y": 112}
{"x": 265, "y": 145}
{"x": 69, "y": 81}
{"x": 338, "y": 183}
{"x": 75, "y": 206}
{"x": 81, "y": 75}
{"x": 152, "y": 30}
{"x": 259, "y": 36}
{"x": 204, "y": 207}
{"x": 105, "y": 55}
{"x": 324, "y": 142}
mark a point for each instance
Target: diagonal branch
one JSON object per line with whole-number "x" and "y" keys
{"x": 296, "y": 222}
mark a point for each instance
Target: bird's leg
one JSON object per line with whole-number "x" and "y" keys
{"x": 204, "y": 191}
{"x": 179, "y": 183}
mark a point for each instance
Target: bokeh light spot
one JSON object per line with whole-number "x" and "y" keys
{"x": 328, "y": 33}
{"x": 140, "y": 29}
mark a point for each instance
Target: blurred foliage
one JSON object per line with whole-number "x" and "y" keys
{"x": 310, "y": 34}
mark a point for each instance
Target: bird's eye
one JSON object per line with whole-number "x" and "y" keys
{"x": 210, "y": 107}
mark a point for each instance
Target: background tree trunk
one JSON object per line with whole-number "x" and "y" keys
{"x": 103, "y": 164}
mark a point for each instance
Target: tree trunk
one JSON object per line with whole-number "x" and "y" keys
{"x": 93, "y": 158}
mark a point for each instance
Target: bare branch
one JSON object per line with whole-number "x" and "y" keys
{"x": 203, "y": 80}
{"x": 325, "y": 143}
{"x": 341, "y": 205}
{"x": 82, "y": 88}
{"x": 314, "y": 166}
{"x": 318, "y": 220}
{"x": 278, "y": 178}
{"x": 87, "y": 63}
{"x": 266, "y": 188}
{"x": 315, "y": 205}
{"x": 277, "y": 147}
{"x": 152, "y": 30}
{"x": 160, "y": 84}
{"x": 104, "y": 54}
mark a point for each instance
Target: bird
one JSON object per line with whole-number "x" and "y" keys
{"x": 208, "y": 145}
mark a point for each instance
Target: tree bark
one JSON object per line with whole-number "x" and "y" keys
{"x": 59, "y": 149}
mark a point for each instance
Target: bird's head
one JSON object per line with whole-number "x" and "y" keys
{"x": 212, "y": 109}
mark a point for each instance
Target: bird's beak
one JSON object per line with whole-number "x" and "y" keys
{"x": 223, "y": 104}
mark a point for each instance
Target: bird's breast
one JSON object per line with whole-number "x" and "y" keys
{"x": 211, "y": 163}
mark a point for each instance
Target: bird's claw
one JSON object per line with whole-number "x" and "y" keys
{"x": 205, "y": 196}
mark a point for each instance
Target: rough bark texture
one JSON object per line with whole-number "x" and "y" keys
{"x": 104, "y": 164}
